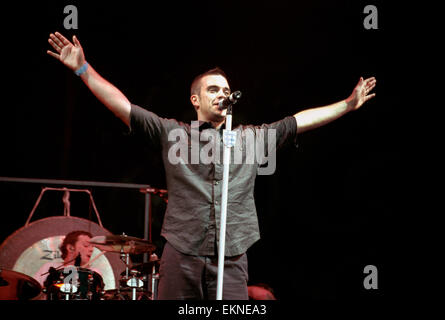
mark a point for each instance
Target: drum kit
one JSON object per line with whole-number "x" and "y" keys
{"x": 137, "y": 282}
{"x": 28, "y": 249}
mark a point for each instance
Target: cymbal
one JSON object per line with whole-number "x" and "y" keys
{"x": 122, "y": 244}
{"x": 146, "y": 267}
{"x": 17, "y": 286}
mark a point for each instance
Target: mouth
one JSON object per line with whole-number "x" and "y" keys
{"x": 217, "y": 107}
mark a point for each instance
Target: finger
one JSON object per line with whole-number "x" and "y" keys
{"x": 371, "y": 85}
{"x": 369, "y": 97}
{"x": 64, "y": 40}
{"x": 54, "y": 45}
{"x": 76, "y": 41}
{"x": 370, "y": 81}
{"x": 52, "y": 54}
{"x": 57, "y": 40}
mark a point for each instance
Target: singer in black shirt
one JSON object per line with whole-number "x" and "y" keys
{"x": 193, "y": 171}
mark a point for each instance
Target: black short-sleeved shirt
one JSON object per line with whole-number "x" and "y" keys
{"x": 192, "y": 219}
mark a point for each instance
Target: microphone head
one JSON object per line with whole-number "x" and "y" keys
{"x": 237, "y": 95}
{"x": 231, "y": 99}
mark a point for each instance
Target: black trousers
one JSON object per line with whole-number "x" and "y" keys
{"x": 187, "y": 277}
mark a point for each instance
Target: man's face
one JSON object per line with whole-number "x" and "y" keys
{"x": 84, "y": 247}
{"x": 214, "y": 88}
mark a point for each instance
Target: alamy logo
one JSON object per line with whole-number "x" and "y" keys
{"x": 71, "y": 281}
{"x": 71, "y": 20}
{"x": 252, "y": 146}
{"x": 370, "y": 281}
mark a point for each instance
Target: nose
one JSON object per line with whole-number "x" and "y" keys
{"x": 221, "y": 95}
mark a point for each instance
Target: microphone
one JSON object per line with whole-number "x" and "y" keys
{"x": 231, "y": 99}
{"x": 53, "y": 275}
{"x": 77, "y": 261}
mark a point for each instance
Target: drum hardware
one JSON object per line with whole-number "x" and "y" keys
{"x": 134, "y": 283}
{"x": 149, "y": 273}
{"x": 132, "y": 279}
{"x": 154, "y": 282}
{"x": 148, "y": 192}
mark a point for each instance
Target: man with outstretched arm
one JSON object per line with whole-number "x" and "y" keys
{"x": 191, "y": 224}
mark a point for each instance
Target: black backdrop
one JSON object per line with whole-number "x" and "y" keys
{"x": 332, "y": 206}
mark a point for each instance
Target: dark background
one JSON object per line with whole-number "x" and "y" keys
{"x": 333, "y": 205}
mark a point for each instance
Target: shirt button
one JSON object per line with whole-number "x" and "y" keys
{"x": 216, "y": 182}
{"x": 216, "y": 202}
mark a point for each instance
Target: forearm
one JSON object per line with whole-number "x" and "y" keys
{"x": 108, "y": 94}
{"x": 316, "y": 117}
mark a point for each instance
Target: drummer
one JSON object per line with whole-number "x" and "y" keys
{"x": 76, "y": 244}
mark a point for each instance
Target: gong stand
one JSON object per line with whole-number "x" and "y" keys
{"x": 66, "y": 202}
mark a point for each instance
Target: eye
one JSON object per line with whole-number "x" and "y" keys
{"x": 213, "y": 89}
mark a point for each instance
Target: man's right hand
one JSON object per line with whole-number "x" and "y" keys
{"x": 68, "y": 53}
{"x": 71, "y": 55}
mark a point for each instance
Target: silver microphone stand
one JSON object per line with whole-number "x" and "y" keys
{"x": 225, "y": 186}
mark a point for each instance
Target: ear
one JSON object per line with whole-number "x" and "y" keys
{"x": 195, "y": 101}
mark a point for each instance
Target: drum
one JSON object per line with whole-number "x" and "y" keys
{"x": 74, "y": 283}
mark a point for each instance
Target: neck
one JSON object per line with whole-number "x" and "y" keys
{"x": 217, "y": 125}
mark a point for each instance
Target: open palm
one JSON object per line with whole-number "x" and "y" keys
{"x": 70, "y": 54}
{"x": 361, "y": 92}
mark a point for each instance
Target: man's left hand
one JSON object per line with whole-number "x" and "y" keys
{"x": 361, "y": 93}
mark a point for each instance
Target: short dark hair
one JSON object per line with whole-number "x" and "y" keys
{"x": 196, "y": 83}
{"x": 71, "y": 238}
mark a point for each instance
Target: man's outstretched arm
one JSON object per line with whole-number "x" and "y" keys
{"x": 72, "y": 56}
{"x": 316, "y": 117}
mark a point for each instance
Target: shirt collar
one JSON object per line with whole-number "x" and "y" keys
{"x": 202, "y": 125}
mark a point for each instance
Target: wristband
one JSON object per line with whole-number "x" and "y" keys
{"x": 82, "y": 69}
